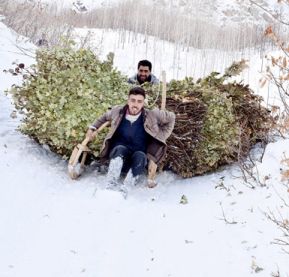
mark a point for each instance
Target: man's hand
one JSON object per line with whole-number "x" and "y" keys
{"x": 90, "y": 134}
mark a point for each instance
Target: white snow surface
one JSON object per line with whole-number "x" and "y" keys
{"x": 52, "y": 226}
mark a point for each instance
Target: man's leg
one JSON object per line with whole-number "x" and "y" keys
{"x": 138, "y": 163}
{"x": 117, "y": 156}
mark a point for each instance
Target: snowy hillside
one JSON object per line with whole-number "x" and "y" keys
{"x": 176, "y": 60}
{"x": 52, "y": 226}
{"x": 227, "y": 12}
{"x": 218, "y": 11}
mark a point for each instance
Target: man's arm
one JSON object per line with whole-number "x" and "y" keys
{"x": 105, "y": 117}
{"x": 132, "y": 80}
{"x": 91, "y": 132}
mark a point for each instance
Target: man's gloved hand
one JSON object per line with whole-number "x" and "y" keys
{"x": 90, "y": 134}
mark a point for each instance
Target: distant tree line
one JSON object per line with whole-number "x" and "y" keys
{"x": 32, "y": 19}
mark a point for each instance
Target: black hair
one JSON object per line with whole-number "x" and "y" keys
{"x": 145, "y": 63}
{"x": 136, "y": 91}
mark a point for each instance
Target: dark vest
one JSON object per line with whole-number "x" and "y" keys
{"x": 131, "y": 135}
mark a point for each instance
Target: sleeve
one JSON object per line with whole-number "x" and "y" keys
{"x": 166, "y": 122}
{"x": 101, "y": 120}
{"x": 132, "y": 80}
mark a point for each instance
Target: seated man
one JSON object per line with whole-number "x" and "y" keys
{"x": 136, "y": 136}
{"x": 143, "y": 75}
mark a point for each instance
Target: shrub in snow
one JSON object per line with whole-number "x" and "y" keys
{"x": 67, "y": 90}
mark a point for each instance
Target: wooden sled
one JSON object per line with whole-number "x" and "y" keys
{"x": 75, "y": 164}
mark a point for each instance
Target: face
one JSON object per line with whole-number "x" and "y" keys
{"x": 143, "y": 73}
{"x": 135, "y": 103}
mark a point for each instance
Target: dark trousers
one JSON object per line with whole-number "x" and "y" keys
{"x": 135, "y": 160}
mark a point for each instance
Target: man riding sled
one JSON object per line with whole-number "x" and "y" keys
{"x": 137, "y": 137}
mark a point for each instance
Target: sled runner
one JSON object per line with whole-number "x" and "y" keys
{"x": 79, "y": 154}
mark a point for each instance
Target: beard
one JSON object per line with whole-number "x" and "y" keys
{"x": 143, "y": 79}
{"x": 134, "y": 111}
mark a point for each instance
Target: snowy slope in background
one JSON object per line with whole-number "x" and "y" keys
{"x": 13, "y": 48}
{"x": 222, "y": 12}
{"x": 52, "y": 226}
{"x": 226, "y": 12}
{"x": 176, "y": 60}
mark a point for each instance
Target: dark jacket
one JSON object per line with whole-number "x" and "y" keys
{"x": 131, "y": 135}
{"x": 158, "y": 124}
{"x": 152, "y": 80}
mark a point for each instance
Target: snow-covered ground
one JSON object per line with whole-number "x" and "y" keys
{"x": 51, "y": 226}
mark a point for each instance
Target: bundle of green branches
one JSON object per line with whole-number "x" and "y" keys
{"x": 217, "y": 121}
{"x": 254, "y": 120}
{"x": 64, "y": 93}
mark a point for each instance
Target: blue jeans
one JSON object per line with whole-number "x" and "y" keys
{"x": 135, "y": 160}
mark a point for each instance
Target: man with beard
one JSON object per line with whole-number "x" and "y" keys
{"x": 144, "y": 74}
{"x": 136, "y": 136}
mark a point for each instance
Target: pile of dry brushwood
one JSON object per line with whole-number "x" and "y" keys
{"x": 190, "y": 115}
{"x": 217, "y": 123}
